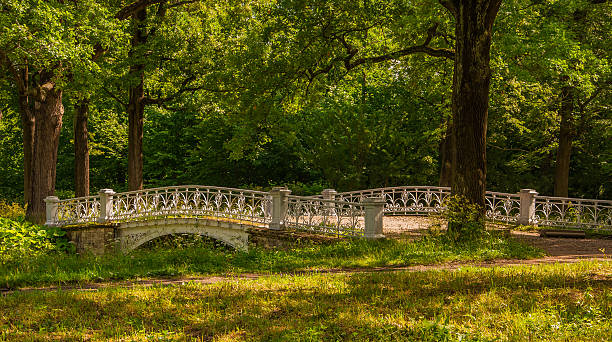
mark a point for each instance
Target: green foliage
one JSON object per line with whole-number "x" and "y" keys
{"x": 11, "y": 211}
{"x": 466, "y": 222}
{"x": 259, "y": 93}
{"x": 21, "y": 240}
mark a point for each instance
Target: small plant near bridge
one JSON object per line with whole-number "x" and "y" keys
{"x": 464, "y": 220}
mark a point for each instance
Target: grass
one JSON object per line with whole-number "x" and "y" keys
{"x": 538, "y": 303}
{"x": 202, "y": 259}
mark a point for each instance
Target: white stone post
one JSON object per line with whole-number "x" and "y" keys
{"x": 51, "y": 204}
{"x": 279, "y": 207}
{"x": 527, "y": 206}
{"x": 374, "y": 207}
{"x": 106, "y": 205}
{"x": 330, "y": 195}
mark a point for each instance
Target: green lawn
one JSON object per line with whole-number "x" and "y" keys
{"x": 202, "y": 258}
{"x": 538, "y": 303}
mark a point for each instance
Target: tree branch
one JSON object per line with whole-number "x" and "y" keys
{"x": 450, "y": 6}
{"x": 115, "y": 97}
{"x": 134, "y": 8}
{"x": 423, "y": 48}
{"x": 352, "y": 51}
{"x": 492, "y": 12}
{"x": 183, "y": 89}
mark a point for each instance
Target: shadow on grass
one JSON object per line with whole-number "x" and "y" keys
{"x": 561, "y": 301}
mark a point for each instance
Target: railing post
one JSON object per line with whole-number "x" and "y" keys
{"x": 374, "y": 207}
{"x": 330, "y": 195}
{"x": 106, "y": 205}
{"x": 527, "y": 206}
{"x": 51, "y": 204}
{"x": 279, "y": 207}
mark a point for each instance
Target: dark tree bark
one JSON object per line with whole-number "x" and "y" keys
{"x": 566, "y": 136}
{"x": 471, "y": 78}
{"x": 28, "y": 124}
{"x": 48, "y": 112}
{"x": 135, "y": 108}
{"x": 81, "y": 149}
{"x": 446, "y": 154}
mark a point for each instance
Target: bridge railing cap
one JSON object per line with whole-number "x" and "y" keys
{"x": 107, "y": 191}
{"x": 51, "y": 199}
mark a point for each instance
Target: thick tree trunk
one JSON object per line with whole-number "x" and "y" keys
{"x": 48, "y": 111}
{"x": 135, "y": 110}
{"x": 136, "y": 121}
{"x": 471, "y": 78}
{"x": 566, "y": 135}
{"x": 81, "y": 149}
{"x": 446, "y": 155}
{"x": 28, "y": 125}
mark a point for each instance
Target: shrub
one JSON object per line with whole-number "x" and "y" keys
{"x": 465, "y": 219}
{"x": 11, "y": 211}
{"x": 19, "y": 238}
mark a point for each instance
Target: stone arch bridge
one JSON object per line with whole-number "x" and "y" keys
{"x": 127, "y": 220}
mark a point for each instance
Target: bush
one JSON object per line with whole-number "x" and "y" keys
{"x": 465, "y": 220}
{"x": 19, "y": 239}
{"x": 11, "y": 211}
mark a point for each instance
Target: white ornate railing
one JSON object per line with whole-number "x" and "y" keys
{"x": 77, "y": 210}
{"x": 573, "y": 212}
{"x": 325, "y": 216}
{"x": 404, "y": 200}
{"x": 192, "y": 201}
{"x": 502, "y": 207}
{"x": 331, "y": 212}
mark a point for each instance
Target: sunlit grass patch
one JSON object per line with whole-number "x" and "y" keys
{"x": 204, "y": 258}
{"x": 546, "y": 303}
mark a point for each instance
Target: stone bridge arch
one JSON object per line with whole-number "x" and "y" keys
{"x": 131, "y": 235}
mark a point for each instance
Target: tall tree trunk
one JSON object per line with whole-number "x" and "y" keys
{"x": 566, "y": 135}
{"x": 446, "y": 154}
{"x": 135, "y": 109}
{"x": 48, "y": 112}
{"x": 81, "y": 149}
{"x": 471, "y": 79}
{"x": 28, "y": 125}
{"x": 22, "y": 80}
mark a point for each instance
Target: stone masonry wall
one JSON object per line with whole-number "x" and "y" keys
{"x": 96, "y": 240}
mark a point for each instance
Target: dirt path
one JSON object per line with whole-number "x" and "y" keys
{"x": 555, "y": 248}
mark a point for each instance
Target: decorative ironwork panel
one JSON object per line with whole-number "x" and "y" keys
{"x": 405, "y": 200}
{"x": 78, "y": 210}
{"x": 573, "y": 212}
{"x": 502, "y": 207}
{"x": 192, "y": 201}
{"x": 325, "y": 216}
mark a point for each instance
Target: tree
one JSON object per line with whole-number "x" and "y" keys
{"x": 471, "y": 80}
{"x": 43, "y": 47}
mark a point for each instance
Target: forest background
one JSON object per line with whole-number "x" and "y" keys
{"x": 310, "y": 94}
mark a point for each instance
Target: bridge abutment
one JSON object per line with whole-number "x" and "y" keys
{"x": 97, "y": 240}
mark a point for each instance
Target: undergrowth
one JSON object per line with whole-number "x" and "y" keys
{"x": 21, "y": 239}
